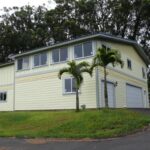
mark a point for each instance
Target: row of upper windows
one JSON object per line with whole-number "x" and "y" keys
{"x": 58, "y": 55}
{"x": 61, "y": 55}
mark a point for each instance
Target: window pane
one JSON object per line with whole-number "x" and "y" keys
{"x": 43, "y": 58}
{"x": 36, "y": 60}
{"x": 87, "y": 49}
{"x": 55, "y": 55}
{"x": 63, "y": 54}
{"x": 20, "y": 64}
{"x": 129, "y": 64}
{"x": 26, "y": 63}
{"x": 78, "y": 51}
{"x": 67, "y": 85}
{"x": 5, "y": 96}
{"x": 73, "y": 85}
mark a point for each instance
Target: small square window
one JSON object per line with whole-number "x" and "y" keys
{"x": 78, "y": 53}
{"x": 69, "y": 85}
{"x": 23, "y": 63}
{"x": 129, "y": 64}
{"x": 87, "y": 47}
{"x": 3, "y": 96}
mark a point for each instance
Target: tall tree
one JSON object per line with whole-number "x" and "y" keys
{"x": 76, "y": 70}
{"x": 103, "y": 58}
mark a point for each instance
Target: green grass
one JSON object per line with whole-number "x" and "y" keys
{"x": 69, "y": 124}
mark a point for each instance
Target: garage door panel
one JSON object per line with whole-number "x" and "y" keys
{"x": 134, "y": 97}
{"x": 111, "y": 94}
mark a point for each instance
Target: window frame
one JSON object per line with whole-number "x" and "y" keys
{"x": 3, "y": 100}
{"x": 82, "y": 44}
{"x": 40, "y": 65}
{"x": 23, "y": 58}
{"x": 129, "y": 60}
{"x": 59, "y": 49}
{"x": 67, "y": 93}
{"x": 108, "y": 47}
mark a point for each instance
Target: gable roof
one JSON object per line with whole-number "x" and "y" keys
{"x": 102, "y": 36}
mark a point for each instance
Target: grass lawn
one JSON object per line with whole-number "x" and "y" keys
{"x": 69, "y": 124}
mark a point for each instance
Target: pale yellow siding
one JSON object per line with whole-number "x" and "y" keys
{"x": 40, "y": 89}
{"x": 120, "y": 89}
{"x": 46, "y": 92}
{"x": 7, "y": 85}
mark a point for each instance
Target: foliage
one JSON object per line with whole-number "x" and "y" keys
{"x": 28, "y": 27}
{"x": 76, "y": 71}
{"x": 68, "y": 124}
{"x": 103, "y": 58}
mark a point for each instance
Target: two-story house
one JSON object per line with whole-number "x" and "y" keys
{"x": 31, "y": 81}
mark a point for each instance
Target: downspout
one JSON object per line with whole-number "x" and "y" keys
{"x": 97, "y": 81}
{"x": 14, "y": 88}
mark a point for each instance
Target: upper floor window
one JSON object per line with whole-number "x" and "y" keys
{"x": 143, "y": 72}
{"x": 40, "y": 59}
{"x": 83, "y": 50}
{"x": 69, "y": 85}
{"x": 106, "y": 47}
{"x": 59, "y": 55}
{"x": 3, "y": 96}
{"x": 129, "y": 64}
{"x": 23, "y": 63}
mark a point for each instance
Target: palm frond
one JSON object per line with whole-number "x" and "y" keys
{"x": 62, "y": 71}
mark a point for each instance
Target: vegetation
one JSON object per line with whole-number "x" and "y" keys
{"x": 29, "y": 27}
{"x": 76, "y": 70}
{"x": 103, "y": 58}
{"x": 68, "y": 124}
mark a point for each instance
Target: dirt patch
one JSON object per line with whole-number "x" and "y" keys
{"x": 4, "y": 148}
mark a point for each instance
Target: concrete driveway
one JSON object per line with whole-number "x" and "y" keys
{"x": 139, "y": 141}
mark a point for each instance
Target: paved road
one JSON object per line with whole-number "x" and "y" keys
{"x": 139, "y": 141}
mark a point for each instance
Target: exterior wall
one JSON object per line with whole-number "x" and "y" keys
{"x": 120, "y": 89}
{"x": 40, "y": 89}
{"x": 45, "y": 91}
{"x": 7, "y": 85}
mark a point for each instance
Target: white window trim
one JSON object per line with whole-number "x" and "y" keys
{"x": 63, "y": 87}
{"x": 83, "y": 57}
{"x": 64, "y": 92}
{"x": 59, "y": 49}
{"x": 40, "y": 60}
{"x": 23, "y": 69}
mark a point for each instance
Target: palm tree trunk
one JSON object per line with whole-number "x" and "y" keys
{"x": 105, "y": 88}
{"x": 77, "y": 100}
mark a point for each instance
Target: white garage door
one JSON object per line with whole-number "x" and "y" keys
{"x": 111, "y": 94}
{"x": 134, "y": 97}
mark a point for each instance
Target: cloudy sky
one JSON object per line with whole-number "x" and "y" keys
{"x": 19, "y": 3}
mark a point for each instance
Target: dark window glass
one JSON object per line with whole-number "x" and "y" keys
{"x": 73, "y": 85}
{"x": 26, "y": 63}
{"x": 78, "y": 51}
{"x": 3, "y": 96}
{"x": 87, "y": 49}
{"x": 129, "y": 64}
{"x": 67, "y": 85}
{"x": 143, "y": 73}
{"x": 55, "y": 55}
{"x": 20, "y": 64}
{"x": 36, "y": 60}
{"x": 43, "y": 58}
{"x": 63, "y": 54}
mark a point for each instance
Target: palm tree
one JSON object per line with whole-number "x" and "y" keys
{"x": 103, "y": 58}
{"x": 76, "y": 70}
